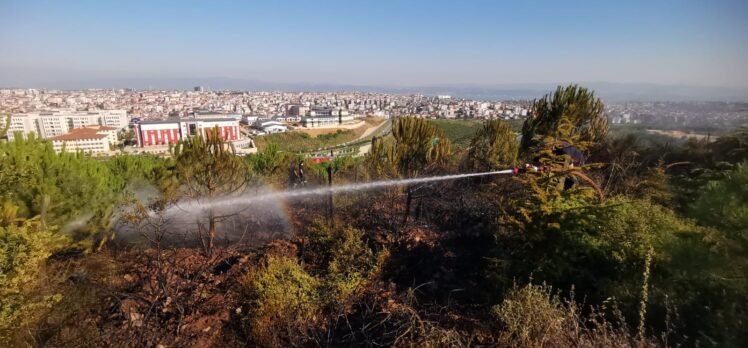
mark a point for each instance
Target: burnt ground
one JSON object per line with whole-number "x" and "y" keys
{"x": 181, "y": 297}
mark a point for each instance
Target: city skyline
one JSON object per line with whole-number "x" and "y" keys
{"x": 386, "y": 44}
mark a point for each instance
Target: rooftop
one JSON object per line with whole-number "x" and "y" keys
{"x": 176, "y": 120}
{"x": 80, "y": 134}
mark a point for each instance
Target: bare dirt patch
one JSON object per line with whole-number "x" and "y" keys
{"x": 681, "y": 134}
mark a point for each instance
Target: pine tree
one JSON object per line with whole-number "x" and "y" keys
{"x": 571, "y": 114}
{"x": 494, "y": 146}
{"x": 569, "y": 117}
{"x": 58, "y": 187}
{"x": 417, "y": 145}
{"x": 380, "y": 160}
{"x": 208, "y": 168}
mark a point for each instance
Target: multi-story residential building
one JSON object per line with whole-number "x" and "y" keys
{"x": 324, "y": 117}
{"x": 112, "y": 118}
{"x": 47, "y": 124}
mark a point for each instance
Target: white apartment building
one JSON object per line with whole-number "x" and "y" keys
{"x": 326, "y": 118}
{"x": 47, "y": 124}
{"x": 92, "y": 139}
{"x": 52, "y": 125}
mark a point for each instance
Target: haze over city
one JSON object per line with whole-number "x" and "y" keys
{"x": 377, "y": 44}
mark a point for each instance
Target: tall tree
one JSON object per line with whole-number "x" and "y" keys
{"x": 208, "y": 168}
{"x": 417, "y": 144}
{"x": 572, "y": 114}
{"x": 493, "y": 146}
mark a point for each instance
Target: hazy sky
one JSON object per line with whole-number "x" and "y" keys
{"x": 379, "y": 42}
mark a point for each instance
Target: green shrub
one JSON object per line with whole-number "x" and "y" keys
{"x": 269, "y": 162}
{"x": 600, "y": 248}
{"x": 328, "y": 136}
{"x": 23, "y": 250}
{"x": 724, "y": 204}
{"x": 56, "y": 187}
{"x": 344, "y": 260}
{"x": 283, "y": 303}
{"x": 533, "y": 316}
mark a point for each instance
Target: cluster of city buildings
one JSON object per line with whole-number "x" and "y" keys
{"x": 97, "y": 131}
{"x": 90, "y": 120}
{"x": 149, "y": 105}
{"x": 706, "y": 115}
{"x": 88, "y": 131}
{"x": 303, "y": 116}
{"x": 47, "y": 124}
{"x": 161, "y": 118}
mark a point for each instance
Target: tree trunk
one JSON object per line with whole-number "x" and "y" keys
{"x": 418, "y": 209}
{"x": 408, "y": 201}
{"x": 211, "y": 232}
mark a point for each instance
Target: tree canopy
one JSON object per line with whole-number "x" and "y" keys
{"x": 494, "y": 146}
{"x": 572, "y": 114}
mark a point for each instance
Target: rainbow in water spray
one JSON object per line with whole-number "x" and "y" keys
{"x": 244, "y": 200}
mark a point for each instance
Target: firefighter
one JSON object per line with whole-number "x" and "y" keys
{"x": 574, "y": 158}
{"x": 296, "y": 175}
{"x": 302, "y": 178}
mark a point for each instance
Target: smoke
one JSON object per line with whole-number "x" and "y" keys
{"x": 76, "y": 224}
{"x": 252, "y": 224}
{"x": 254, "y": 218}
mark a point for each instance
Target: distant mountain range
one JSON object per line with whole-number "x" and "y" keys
{"x": 606, "y": 90}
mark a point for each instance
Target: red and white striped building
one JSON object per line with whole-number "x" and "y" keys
{"x": 152, "y": 133}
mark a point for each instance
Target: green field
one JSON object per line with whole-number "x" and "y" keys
{"x": 460, "y": 132}
{"x": 301, "y": 142}
{"x": 297, "y": 141}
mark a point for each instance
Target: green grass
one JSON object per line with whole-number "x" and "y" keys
{"x": 298, "y": 141}
{"x": 302, "y": 142}
{"x": 460, "y": 132}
